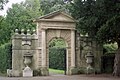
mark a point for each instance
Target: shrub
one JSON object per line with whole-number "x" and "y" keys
{"x": 57, "y": 58}
{"x": 5, "y": 57}
{"x": 110, "y": 48}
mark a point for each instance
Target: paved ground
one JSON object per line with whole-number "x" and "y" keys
{"x": 65, "y": 77}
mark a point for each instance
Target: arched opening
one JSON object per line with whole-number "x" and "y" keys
{"x": 57, "y": 56}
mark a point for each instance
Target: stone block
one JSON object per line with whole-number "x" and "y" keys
{"x": 9, "y": 73}
{"x": 15, "y": 73}
{"x": 27, "y": 72}
{"x": 44, "y": 71}
{"x": 72, "y": 71}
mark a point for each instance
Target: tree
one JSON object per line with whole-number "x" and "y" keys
{"x": 2, "y": 3}
{"x": 52, "y": 5}
{"x": 3, "y": 31}
{"x": 18, "y": 17}
{"x": 88, "y": 15}
{"x": 33, "y": 7}
{"x": 21, "y": 15}
{"x": 110, "y": 33}
{"x": 2, "y": 19}
{"x": 100, "y": 19}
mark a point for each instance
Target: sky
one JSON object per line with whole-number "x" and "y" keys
{"x": 8, "y": 5}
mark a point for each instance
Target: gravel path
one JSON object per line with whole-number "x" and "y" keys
{"x": 64, "y": 77}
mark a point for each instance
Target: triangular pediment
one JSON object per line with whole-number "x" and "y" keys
{"x": 58, "y": 15}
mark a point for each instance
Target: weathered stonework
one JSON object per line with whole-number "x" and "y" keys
{"x": 49, "y": 27}
{"x": 56, "y": 25}
{"x": 20, "y": 47}
{"x": 85, "y": 44}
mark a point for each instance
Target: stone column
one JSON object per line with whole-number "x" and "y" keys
{"x": 44, "y": 70}
{"x": 72, "y": 48}
{"x": 43, "y": 48}
{"x": 72, "y": 69}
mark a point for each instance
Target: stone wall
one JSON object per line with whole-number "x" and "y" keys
{"x": 21, "y": 45}
{"x": 85, "y": 44}
{"x": 24, "y": 43}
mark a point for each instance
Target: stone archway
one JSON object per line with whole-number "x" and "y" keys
{"x": 57, "y": 24}
{"x": 66, "y": 36}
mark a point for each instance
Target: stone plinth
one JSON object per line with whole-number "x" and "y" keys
{"x": 15, "y": 73}
{"x": 27, "y": 72}
{"x": 9, "y": 72}
{"x": 44, "y": 71}
{"x": 72, "y": 71}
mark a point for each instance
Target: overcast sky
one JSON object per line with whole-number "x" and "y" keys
{"x": 9, "y": 4}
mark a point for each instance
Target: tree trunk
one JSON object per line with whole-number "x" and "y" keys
{"x": 116, "y": 71}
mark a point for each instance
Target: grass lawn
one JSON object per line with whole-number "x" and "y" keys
{"x": 55, "y": 71}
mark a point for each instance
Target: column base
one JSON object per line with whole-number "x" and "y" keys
{"x": 90, "y": 70}
{"x": 44, "y": 71}
{"x": 72, "y": 71}
{"x": 15, "y": 73}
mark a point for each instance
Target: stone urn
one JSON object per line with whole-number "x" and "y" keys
{"x": 89, "y": 61}
{"x": 27, "y": 72}
{"x": 27, "y": 59}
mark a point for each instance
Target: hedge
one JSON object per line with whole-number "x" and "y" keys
{"x": 5, "y": 57}
{"x": 57, "y": 58}
{"x": 107, "y": 62}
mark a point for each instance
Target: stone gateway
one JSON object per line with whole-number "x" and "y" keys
{"x": 33, "y": 49}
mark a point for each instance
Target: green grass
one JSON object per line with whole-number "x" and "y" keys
{"x": 55, "y": 71}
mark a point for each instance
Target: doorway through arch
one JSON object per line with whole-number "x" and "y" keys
{"x": 57, "y": 56}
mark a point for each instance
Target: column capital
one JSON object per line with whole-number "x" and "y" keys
{"x": 72, "y": 29}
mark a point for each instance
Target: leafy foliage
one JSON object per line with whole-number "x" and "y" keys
{"x": 93, "y": 14}
{"x": 5, "y": 57}
{"x": 100, "y": 19}
{"x": 17, "y": 17}
{"x": 20, "y": 16}
{"x": 33, "y": 8}
{"x": 57, "y": 58}
{"x": 2, "y": 3}
{"x": 3, "y": 31}
{"x": 110, "y": 32}
{"x": 57, "y": 54}
{"x": 110, "y": 48}
{"x": 52, "y": 5}
{"x": 85, "y": 13}
{"x": 57, "y": 43}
